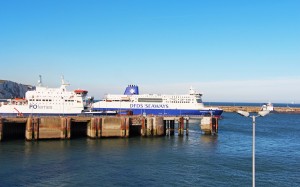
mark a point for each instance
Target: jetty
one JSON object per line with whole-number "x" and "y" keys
{"x": 68, "y": 127}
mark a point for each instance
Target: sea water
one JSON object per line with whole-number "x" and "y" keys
{"x": 193, "y": 160}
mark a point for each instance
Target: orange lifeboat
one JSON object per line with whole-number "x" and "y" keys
{"x": 82, "y": 92}
{"x": 19, "y": 99}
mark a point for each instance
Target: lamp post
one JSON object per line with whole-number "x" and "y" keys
{"x": 247, "y": 114}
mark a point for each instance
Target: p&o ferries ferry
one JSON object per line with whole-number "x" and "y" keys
{"x": 46, "y": 101}
{"x": 155, "y": 104}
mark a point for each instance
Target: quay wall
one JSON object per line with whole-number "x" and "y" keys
{"x": 68, "y": 127}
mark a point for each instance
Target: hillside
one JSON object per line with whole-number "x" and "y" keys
{"x": 9, "y": 89}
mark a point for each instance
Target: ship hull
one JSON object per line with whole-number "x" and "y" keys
{"x": 172, "y": 112}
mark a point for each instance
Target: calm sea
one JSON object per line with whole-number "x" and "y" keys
{"x": 194, "y": 160}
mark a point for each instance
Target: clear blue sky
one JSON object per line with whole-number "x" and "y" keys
{"x": 239, "y": 51}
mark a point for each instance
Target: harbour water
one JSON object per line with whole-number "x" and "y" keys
{"x": 194, "y": 160}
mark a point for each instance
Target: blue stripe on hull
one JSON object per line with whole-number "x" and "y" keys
{"x": 30, "y": 114}
{"x": 173, "y": 112}
{"x": 51, "y": 114}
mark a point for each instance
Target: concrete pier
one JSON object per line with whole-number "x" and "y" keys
{"x": 67, "y": 127}
{"x": 209, "y": 125}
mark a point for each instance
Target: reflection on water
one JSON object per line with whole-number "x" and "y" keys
{"x": 209, "y": 139}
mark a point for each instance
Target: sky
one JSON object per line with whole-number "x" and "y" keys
{"x": 231, "y": 51}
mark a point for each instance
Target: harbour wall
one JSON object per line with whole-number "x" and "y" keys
{"x": 256, "y": 109}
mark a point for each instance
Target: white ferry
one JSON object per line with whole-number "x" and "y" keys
{"x": 155, "y": 104}
{"x": 46, "y": 101}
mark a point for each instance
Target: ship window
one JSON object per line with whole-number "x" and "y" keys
{"x": 199, "y": 100}
{"x": 158, "y": 100}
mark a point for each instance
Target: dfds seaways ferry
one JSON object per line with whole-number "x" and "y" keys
{"x": 156, "y": 104}
{"x": 46, "y": 101}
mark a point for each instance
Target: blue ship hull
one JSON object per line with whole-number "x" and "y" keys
{"x": 171, "y": 112}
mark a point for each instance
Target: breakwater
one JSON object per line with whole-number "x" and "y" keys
{"x": 295, "y": 110}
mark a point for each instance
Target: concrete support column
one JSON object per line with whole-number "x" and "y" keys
{"x": 160, "y": 130}
{"x": 154, "y": 126}
{"x": 149, "y": 126}
{"x": 209, "y": 125}
{"x": 68, "y": 128}
{"x": 143, "y": 128}
{"x": 91, "y": 128}
{"x": 123, "y": 127}
{"x": 29, "y": 129}
{"x": 172, "y": 127}
{"x": 36, "y": 128}
{"x": 167, "y": 127}
{"x": 180, "y": 126}
{"x": 99, "y": 127}
{"x": 187, "y": 127}
{"x": 127, "y": 127}
{"x": 1, "y": 129}
{"x": 63, "y": 126}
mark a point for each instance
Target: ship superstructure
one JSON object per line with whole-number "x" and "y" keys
{"x": 47, "y": 101}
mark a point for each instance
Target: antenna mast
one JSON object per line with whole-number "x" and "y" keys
{"x": 40, "y": 81}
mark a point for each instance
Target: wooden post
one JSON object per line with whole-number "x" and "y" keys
{"x": 187, "y": 127}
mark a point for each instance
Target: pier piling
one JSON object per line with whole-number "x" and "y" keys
{"x": 1, "y": 129}
{"x": 66, "y": 127}
{"x": 209, "y": 125}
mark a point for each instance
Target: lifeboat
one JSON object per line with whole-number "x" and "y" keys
{"x": 19, "y": 99}
{"x": 81, "y": 92}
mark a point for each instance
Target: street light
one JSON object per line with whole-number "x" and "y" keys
{"x": 247, "y": 114}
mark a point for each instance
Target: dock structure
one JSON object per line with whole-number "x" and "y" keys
{"x": 68, "y": 127}
{"x": 209, "y": 125}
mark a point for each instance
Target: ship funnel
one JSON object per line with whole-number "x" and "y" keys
{"x": 132, "y": 90}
